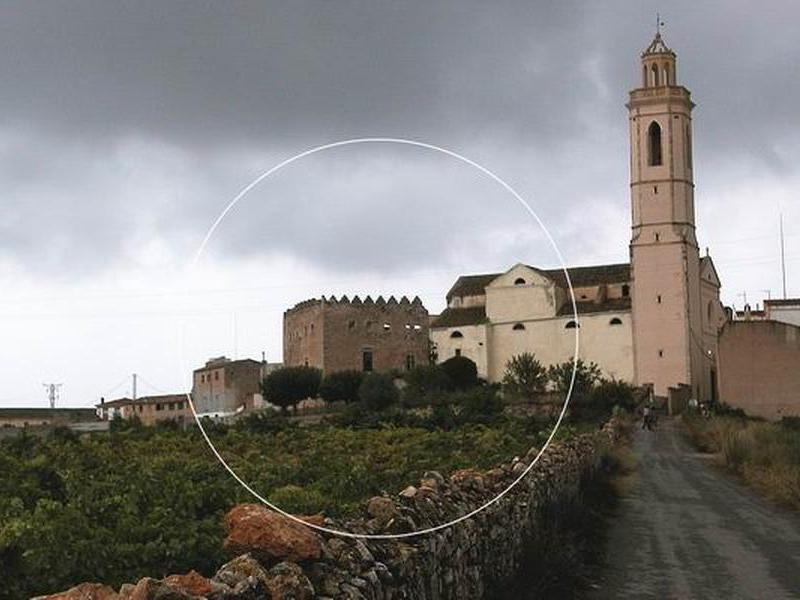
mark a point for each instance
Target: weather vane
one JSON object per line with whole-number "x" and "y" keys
{"x": 659, "y": 23}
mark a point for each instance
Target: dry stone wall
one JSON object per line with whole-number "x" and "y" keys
{"x": 281, "y": 559}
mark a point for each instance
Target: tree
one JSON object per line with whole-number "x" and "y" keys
{"x": 341, "y": 386}
{"x": 525, "y": 376}
{"x": 287, "y": 386}
{"x": 377, "y": 391}
{"x": 587, "y": 375}
{"x": 463, "y": 372}
{"x": 423, "y": 382}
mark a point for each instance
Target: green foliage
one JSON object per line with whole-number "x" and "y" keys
{"x": 587, "y": 375}
{"x": 378, "y": 392}
{"x": 524, "y": 376}
{"x": 265, "y": 421}
{"x": 147, "y": 501}
{"x": 341, "y": 386}
{"x": 287, "y": 386}
{"x": 610, "y": 393}
{"x": 479, "y": 405}
{"x": 462, "y": 372}
{"x": 423, "y": 383}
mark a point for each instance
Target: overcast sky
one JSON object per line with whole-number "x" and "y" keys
{"x": 126, "y": 128}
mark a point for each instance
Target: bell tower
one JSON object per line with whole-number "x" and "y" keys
{"x": 664, "y": 256}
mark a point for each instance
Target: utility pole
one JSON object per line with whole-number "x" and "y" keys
{"x": 783, "y": 260}
{"x": 53, "y": 392}
{"x": 134, "y": 386}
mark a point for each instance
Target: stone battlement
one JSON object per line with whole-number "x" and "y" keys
{"x": 332, "y": 301}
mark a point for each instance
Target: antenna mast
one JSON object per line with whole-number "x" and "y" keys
{"x": 53, "y": 392}
{"x": 783, "y": 260}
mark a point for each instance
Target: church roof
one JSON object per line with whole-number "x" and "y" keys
{"x": 459, "y": 317}
{"x": 657, "y": 46}
{"x": 588, "y": 307}
{"x": 475, "y": 285}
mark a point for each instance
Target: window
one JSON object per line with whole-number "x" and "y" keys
{"x": 658, "y": 298}
{"x": 366, "y": 360}
{"x": 387, "y": 326}
{"x": 351, "y": 325}
{"x": 654, "y": 144}
{"x": 457, "y": 352}
{"x": 654, "y": 69}
{"x": 571, "y": 325}
{"x": 202, "y": 378}
{"x": 159, "y": 406}
{"x": 660, "y": 353}
{"x": 688, "y": 151}
{"x": 658, "y": 237}
{"x": 615, "y": 321}
{"x": 171, "y": 406}
{"x": 456, "y": 334}
{"x": 655, "y": 189}
{"x": 216, "y": 375}
{"x": 518, "y": 327}
{"x": 519, "y": 281}
{"x": 626, "y": 290}
{"x": 417, "y": 327}
{"x": 410, "y": 361}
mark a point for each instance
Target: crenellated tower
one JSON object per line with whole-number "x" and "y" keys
{"x": 665, "y": 262}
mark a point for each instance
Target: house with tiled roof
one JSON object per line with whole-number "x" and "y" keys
{"x": 492, "y": 317}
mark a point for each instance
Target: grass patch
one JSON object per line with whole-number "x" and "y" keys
{"x": 765, "y": 455}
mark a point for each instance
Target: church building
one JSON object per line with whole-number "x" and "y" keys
{"x": 653, "y": 321}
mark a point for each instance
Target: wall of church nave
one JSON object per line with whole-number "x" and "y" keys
{"x": 605, "y": 339}
{"x": 468, "y": 340}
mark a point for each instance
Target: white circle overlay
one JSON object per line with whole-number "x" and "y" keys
{"x": 525, "y": 205}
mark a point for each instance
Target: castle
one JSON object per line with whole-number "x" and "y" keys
{"x": 652, "y": 321}
{"x": 344, "y": 334}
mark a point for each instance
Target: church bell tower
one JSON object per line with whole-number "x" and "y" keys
{"x": 664, "y": 256}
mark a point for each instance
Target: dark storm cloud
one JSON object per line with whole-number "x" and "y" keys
{"x": 119, "y": 119}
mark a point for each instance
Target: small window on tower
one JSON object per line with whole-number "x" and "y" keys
{"x": 626, "y": 290}
{"x": 658, "y": 298}
{"x": 654, "y": 144}
{"x": 658, "y": 237}
{"x": 519, "y": 281}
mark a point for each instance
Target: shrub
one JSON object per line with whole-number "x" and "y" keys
{"x": 586, "y": 377}
{"x": 265, "y": 421}
{"x": 612, "y": 393}
{"x": 377, "y": 391}
{"x": 287, "y": 386}
{"x": 524, "y": 376}
{"x": 462, "y": 372}
{"x": 341, "y": 386}
{"x": 479, "y": 405}
{"x": 423, "y": 382}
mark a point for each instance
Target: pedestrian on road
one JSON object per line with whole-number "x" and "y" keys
{"x": 647, "y": 415}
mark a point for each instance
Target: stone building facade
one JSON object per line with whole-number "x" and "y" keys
{"x": 653, "y": 321}
{"x": 365, "y": 335}
{"x": 759, "y": 362}
{"x": 223, "y": 386}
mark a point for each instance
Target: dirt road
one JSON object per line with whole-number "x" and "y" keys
{"x": 686, "y": 530}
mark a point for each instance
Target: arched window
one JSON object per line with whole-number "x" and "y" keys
{"x": 655, "y": 75}
{"x": 518, "y": 327}
{"x": 519, "y": 281}
{"x": 615, "y": 321}
{"x": 456, "y": 334}
{"x": 710, "y": 310}
{"x": 571, "y": 325}
{"x": 667, "y": 78}
{"x": 644, "y": 76}
{"x": 654, "y": 144}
